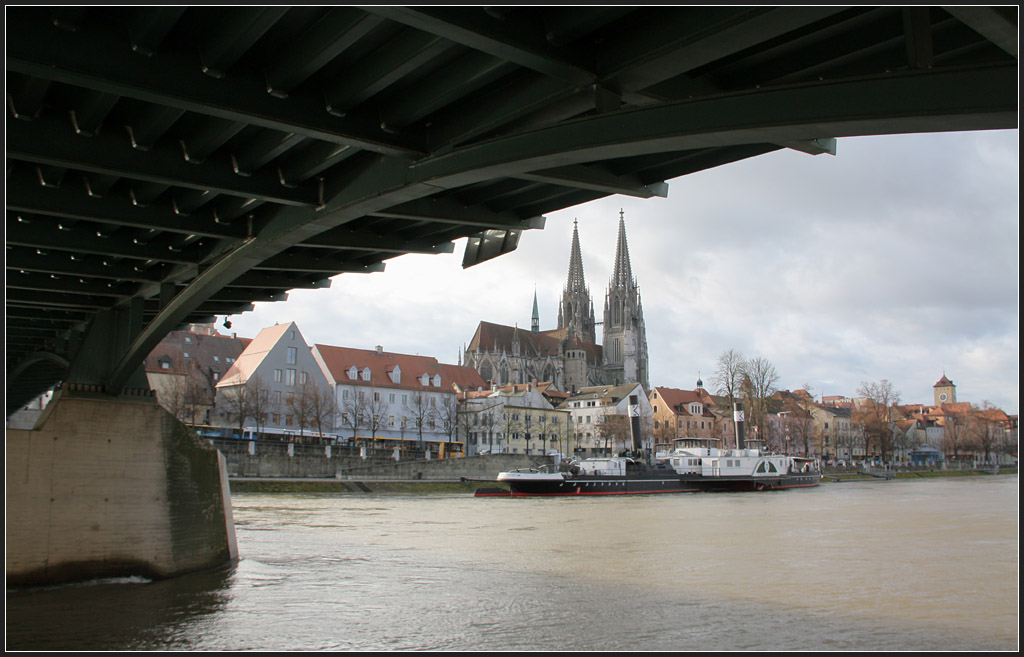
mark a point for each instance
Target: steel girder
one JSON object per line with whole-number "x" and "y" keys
{"x": 170, "y": 164}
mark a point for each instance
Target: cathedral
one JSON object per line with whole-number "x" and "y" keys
{"x": 569, "y": 355}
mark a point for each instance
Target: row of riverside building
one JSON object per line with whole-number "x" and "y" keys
{"x": 316, "y": 393}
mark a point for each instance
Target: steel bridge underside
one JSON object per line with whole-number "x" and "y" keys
{"x": 166, "y": 165}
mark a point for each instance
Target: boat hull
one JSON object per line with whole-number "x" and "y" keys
{"x": 749, "y": 483}
{"x": 590, "y": 485}
{"x": 617, "y": 485}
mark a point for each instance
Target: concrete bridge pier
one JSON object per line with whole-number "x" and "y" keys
{"x": 106, "y": 486}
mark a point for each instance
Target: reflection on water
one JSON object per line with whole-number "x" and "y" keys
{"x": 898, "y": 565}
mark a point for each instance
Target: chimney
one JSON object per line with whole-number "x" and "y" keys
{"x": 380, "y": 350}
{"x": 738, "y": 419}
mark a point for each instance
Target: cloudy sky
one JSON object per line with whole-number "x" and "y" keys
{"x": 896, "y": 259}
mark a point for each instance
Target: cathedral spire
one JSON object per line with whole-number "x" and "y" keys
{"x": 575, "y": 282}
{"x": 576, "y": 312}
{"x": 622, "y": 276}
{"x": 535, "y": 322}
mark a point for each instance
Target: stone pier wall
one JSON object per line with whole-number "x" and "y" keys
{"x": 113, "y": 487}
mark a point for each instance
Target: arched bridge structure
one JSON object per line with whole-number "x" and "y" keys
{"x": 167, "y": 164}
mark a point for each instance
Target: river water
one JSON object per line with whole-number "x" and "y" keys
{"x": 901, "y": 565}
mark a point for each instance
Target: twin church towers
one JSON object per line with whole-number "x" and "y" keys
{"x": 569, "y": 356}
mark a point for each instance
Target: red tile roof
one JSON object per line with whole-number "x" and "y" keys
{"x": 677, "y": 399}
{"x": 339, "y": 360}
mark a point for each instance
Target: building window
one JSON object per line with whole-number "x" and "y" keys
{"x": 391, "y": 398}
{"x": 277, "y": 398}
{"x": 292, "y": 351}
{"x": 305, "y": 377}
{"x": 277, "y": 376}
{"x": 164, "y": 365}
{"x": 188, "y": 340}
{"x": 289, "y": 378}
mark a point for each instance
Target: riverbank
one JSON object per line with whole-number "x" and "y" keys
{"x": 448, "y": 487}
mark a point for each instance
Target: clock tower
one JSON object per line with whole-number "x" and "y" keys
{"x": 945, "y": 391}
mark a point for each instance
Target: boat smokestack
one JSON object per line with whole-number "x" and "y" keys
{"x": 634, "y": 422}
{"x": 737, "y": 418}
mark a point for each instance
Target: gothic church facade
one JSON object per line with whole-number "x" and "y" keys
{"x": 569, "y": 355}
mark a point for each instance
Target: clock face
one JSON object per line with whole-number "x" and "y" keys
{"x": 942, "y": 396}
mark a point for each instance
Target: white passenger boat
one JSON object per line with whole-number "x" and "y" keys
{"x": 713, "y": 469}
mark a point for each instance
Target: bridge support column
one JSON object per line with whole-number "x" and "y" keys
{"x": 109, "y": 486}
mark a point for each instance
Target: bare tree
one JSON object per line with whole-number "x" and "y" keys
{"x": 260, "y": 403}
{"x": 421, "y": 412}
{"x": 448, "y": 415}
{"x": 873, "y": 413}
{"x": 759, "y": 383}
{"x": 375, "y": 412}
{"x": 352, "y": 413}
{"x": 729, "y": 375}
{"x": 616, "y": 433}
{"x": 185, "y": 395}
{"x": 302, "y": 405}
{"x": 465, "y": 419}
{"x": 797, "y": 430}
{"x": 989, "y": 429}
{"x": 236, "y": 405}
{"x": 491, "y": 418}
{"x": 323, "y": 410}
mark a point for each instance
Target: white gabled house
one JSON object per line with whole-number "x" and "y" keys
{"x": 272, "y": 383}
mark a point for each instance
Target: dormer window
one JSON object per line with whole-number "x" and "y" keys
{"x": 396, "y": 374}
{"x": 425, "y": 379}
{"x": 437, "y": 381}
{"x": 353, "y": 373}
{"x": 366, "y": 374}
